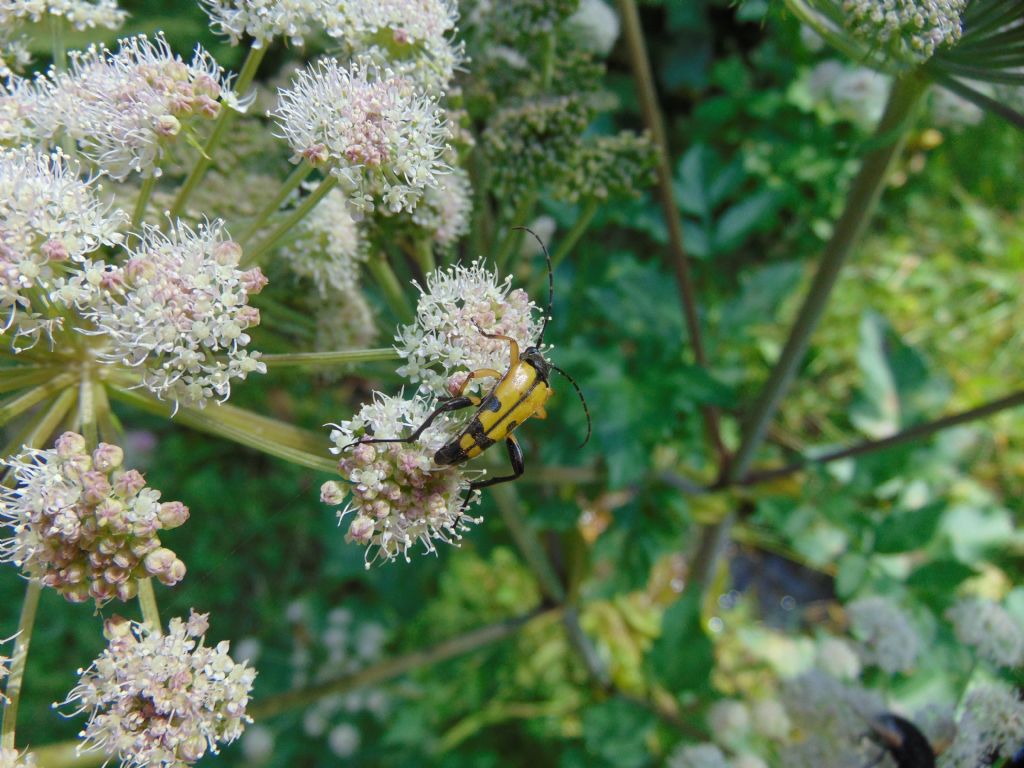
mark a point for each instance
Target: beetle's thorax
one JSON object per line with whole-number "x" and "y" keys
{"x": 535, "y": 358}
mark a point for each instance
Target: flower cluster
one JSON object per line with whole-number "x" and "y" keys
{"x": 992, "y": 726}
{"x": 264, "y": 20}
{"x": 124, "y": 108}
{"x": 49, "y": 216}
{"x": 398, "y": 495}
{"x": 456, "y": 305}
{"x": 887, "y": 638}
{"x": 909, "y": 29}
{"x": 856, "y": 94}
{"x": 12, "y": 758}
{"x": 605, "y": 167}
{"x": 84, "y": 525}
{"x": 990, "y": 629}
{"x": 368, "y": 126}
{"x": 328, "y": 246}
{"x": 179, "y": 309}
{"x": 344, "y": 322}
{"x": 158, "y": 699}
{"x": 445, "y": 211}
{"x": 81, "y": 14}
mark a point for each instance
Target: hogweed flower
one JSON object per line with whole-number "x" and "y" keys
{"x": 328, "y": 246}
{"x": 989, "y": 629}
{"x": 398, "y": 497}
{"x": 770, "y": 719}
{"x": 264, "y": 20}
{"x": 445, "y": 211}
{"x": 456, "y": 305}
{"x": 909, "y": 30}
{"x": 21, "y": 102}
{"x": 12, "y": 758}
{"x": 161, "y": 700}
{"x": 728, "y": 721}
{"x": 80, "y": 14}
{"x": 125, "y": 108}
{"x": 84, "y": 525}
{"x": 49, "y": 217}
{"x": 697, "y": 756}
{"x": 838, "y": 658}
{"x": 367, "y": 126}
{"x": 179, "y": 310}
{"x": 992, "y": 725}
{"x": 344, "y": 321}
{"x": 887, "y": 638}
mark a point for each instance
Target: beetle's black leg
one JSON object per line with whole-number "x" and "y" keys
{"x": 515, "y": 455}
{"x": 449, "y": 405}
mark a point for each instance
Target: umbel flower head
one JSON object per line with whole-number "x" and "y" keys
{"x": 81, "y": 14}
{"x": 444, "y": 342}
{"x": 371, "y": 128}
{"x": 906, "y": 29}
{"x": 12, "y": 758}
{"x": 990, "y": 629}
{"x": 161, "y": 700}
{"x": 397, "y": 495}
{"x": 992, "y": 726}
{"x": 84, "y": 525}
{"x": 49, "y": 217}
{"x": 328, "y": 246}
{"x": 445, "y": 211}
{"x": 179, "y": 310}
{"x": 124, "y": 108}
{"x": 887, "y": 638}
{"x": 264, "y": 20}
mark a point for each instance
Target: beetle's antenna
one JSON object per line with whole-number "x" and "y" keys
{"x": 582, "y": 400}
{"x": 551, "y": 284}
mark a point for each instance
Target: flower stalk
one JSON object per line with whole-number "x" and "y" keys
{"x": 147, "y": 603}
{"x": 389, "y": 285}
{"x": 298, "y": 214}
{"x": 295, "y": 178}
{"x": 15, "y": 679}
{"x": 145, "y": 193}
{"x": 339, "y": 357}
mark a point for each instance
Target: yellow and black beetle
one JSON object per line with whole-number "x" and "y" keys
{"x": 520, "y": 393}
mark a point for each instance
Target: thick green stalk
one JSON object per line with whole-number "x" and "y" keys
{"x": 145, "y": 193}
{"x": 391, "y": 668}
{"x": 861, "y": 201}
{"x": 295, "y": 178}
{"x": 388, "y": 283}
{"x": 19, "y": 404}
{"x": 512, "y": 236}
{"x": 16, "y": 677}
{"x": 87, "y": 412}
{"x": 579, "y": 227}
{"x": 147, "y": 602}
{"x": 224, "y": 120}
{"x": 294, "y": 217}
{"x": 507, "y": 499}
{"x": 340, "y": 357}
{"x": 57, "y": 42}
{"x": 424, "y": 251}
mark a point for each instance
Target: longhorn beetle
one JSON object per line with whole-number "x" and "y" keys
{"x": 520, "y": 392}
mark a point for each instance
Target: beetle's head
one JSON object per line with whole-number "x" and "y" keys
{"x": 536, "y": 358}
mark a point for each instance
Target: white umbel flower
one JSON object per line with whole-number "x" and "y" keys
{"x": 910, "y": 29}
{"x": 328, "y": 246}
{"x": 887, "y": 638}
{"x": 124, "y": 108}
{"x": 992, "y": 725}
{"x": 398, "y": 496}
{"x": 595, "y": 25}
{"x": 445, "y": 341}
{"x": 180, "y": 311}
{"x": 369, "y": 127}
{"x": 264, "y": 20}
{"x": 161, "y": 700}
{"x": 990, "y": 629}
{"x": 49, "y": 217}
{"x": 81, "y": 14}
{"x": 21, "y": 102}
{"x": 697, "y": 756}
{"x": 445, "y": 211}
{"x": 12, "y": 758}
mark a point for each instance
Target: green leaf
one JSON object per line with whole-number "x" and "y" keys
{"x": 742, "y": 219}
{"x": 682, "y": 657}
{"x": 939, "y": 577}
{"x": 616, "y": 731}
{"x": 906, "y": 531}
{"x": 696, "y": 170}
{"x": 876, "y": 409}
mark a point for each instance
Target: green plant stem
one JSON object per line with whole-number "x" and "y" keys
{"x": 294, "y": 217}
{"x": 423, "y": 248}
{"x": 87, "y": 411}
{"x": 908, "y": 435}
{"x": 388, "y": 283}
{"x": 526, "y": 541}
{"x": 147, "y": 602}
{"x": 224, "y": 120}
{"x": 145, "y": 193}
{"x": 295, "y": 178}
{"x": 391, "y": 668}
{"x": 19, "y": 377}
{"x": 641, "y": 65}
{"x": 579, "y": 227}
{"x": 16, "y": 677}
{"x": 15, "y": 406}
{"x": 40, "y": 431}
{"x": 864, "y": 193}
{"x": 339, "y": 357}
{"x": 57, "y": 46}
{"x": 513, "y": 236}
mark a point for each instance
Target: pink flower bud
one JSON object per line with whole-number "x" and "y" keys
{"x": 107, "y": 457}
{"x": 70, "y": 444}
{"x": 172, "y": 514}
{"x": 332, "y": 493}
{"x": 253, "y": 280}
{"x": 227, "y": 253}
{"x": 360, "y": 530}
{"x": 129, "y": 483}
{"x": 54, "y": 250}
{"x": 95, "y": 486}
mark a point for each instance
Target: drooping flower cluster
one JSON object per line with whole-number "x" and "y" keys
{"x": 49, "y": 216}
{"x": 992, "y": 726}
{"x": 990, "y": 629}
{"x": 328, "y": 246}
{"x": 123, "y": 108}
{"x": 373, "y": 129}
{"x": 909, "y": 29}
{"x": 397, "y": 495}
{"x": 263, "y": 20}
{"x": 162, "y": 700}
{"x": 887, "y": 638}
{"x": 445, "y": 341}
{"x": 84, "y": 525}
{"x": 179, "y": 310}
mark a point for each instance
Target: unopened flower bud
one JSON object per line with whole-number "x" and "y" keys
{"x": 107, "y": 457}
